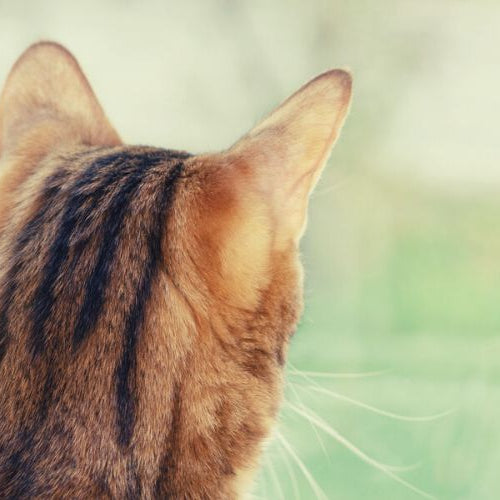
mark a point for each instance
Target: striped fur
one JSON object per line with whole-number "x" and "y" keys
{"x": 147, "y": 297}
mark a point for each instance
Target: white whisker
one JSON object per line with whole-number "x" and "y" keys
{"x": 374, "y": 409}
{"x": 317, "y": 388}
{"x": 334, "y": 375}
{"x": 274, "y": 477}
{"x": 289, "y": 469}
{"x": 393, "y": 468}
{"x": 315, "y": 430}
{"x": 388, "y": 470}
{"x": 310, "y": 479}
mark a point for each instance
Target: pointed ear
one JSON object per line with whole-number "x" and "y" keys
{"x": 284, "y": 155}
{"x": 46, "y": 89}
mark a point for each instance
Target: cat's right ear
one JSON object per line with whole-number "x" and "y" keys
{"x": 47, "y": 98}
{"x": 281, "y": 159}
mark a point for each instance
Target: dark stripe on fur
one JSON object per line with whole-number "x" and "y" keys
{"x": 44, "y": 299}
{"x": 102, "y": 177}
{"x": 98, "y": 279}
{"x": 164, "y": 484}
{"x": 19, "y": 475}
{"x": 134, "y": 486}
{"x": 76, "y": 214}
{"x": 18, "y": 471}
{"x": 50, "y": 191}
{"x": 126, "y": 366}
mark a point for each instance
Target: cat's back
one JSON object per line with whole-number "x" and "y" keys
{"x": 147, "y": 297}
{"x": 80, "y": 252}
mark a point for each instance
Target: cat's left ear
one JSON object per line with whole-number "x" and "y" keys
{"x": 47, "y": 98}
{"x": 282, "y": 157}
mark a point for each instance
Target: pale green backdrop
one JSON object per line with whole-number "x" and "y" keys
{"x": 402, "y": 252}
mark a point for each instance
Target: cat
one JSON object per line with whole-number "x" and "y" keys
{"x": 147, "y": 296}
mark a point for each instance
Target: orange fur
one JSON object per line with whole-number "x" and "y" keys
{"x": 168, "y": 392}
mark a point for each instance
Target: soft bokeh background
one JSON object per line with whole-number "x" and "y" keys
{"x": 403, "y": 247}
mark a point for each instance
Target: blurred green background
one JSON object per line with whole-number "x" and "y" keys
{"x": 403, "y": 244}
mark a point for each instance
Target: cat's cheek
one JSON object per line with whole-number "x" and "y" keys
{"x": 244, "y": 477}
{"x": 243, "y": 482}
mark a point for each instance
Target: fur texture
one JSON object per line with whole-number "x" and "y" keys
{"x": 147, "y": 296}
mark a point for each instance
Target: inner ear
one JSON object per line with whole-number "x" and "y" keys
{"x": 47, "y": 89}
{"x": 284, "y": 155}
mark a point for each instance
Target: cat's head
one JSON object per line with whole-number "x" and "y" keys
{"x": 231, "y": 282}
{"x": 246, "y": 207}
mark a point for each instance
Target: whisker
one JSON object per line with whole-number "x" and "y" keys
{"x": 289, "y": 469}
{"x": 309, "y": 477}
{"x": 317, "y": 388}
{"x": 393, "y": 468}
{"x": 387, "y": 470}
{"x": 274, "y": 476}
{"x": 315, "y": 430}
{"x": 264, "y": 484}
{"x": 374, "y": 409}
{"x": 334, "y": 375}
{"x": 253, "y": 496}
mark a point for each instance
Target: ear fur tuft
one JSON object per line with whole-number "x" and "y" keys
{"x": 285, "y": 154}
{"x": 46, "y": 87}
